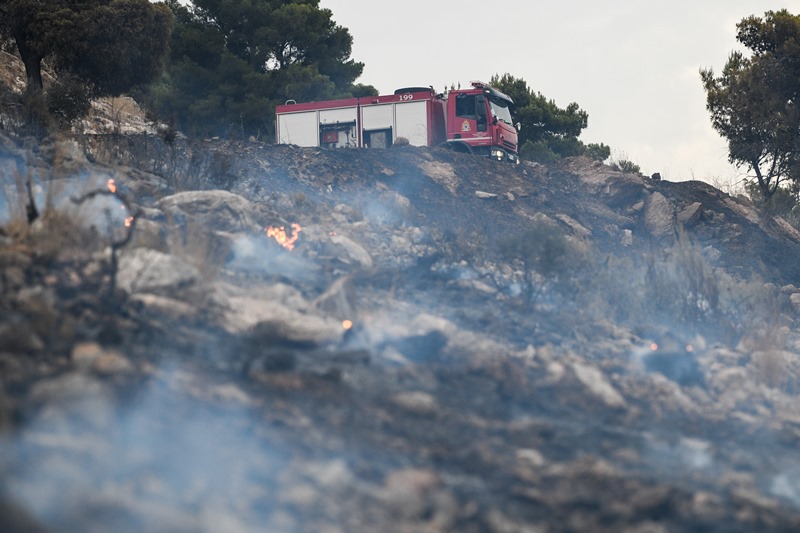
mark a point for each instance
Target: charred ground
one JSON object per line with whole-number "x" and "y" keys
{"x": 214, "y": 387}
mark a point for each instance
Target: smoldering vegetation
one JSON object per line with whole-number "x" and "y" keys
{"x": 394, "y": 340}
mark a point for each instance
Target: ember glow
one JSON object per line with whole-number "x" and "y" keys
{"x": 112, "y": 185}
{"x": 347, "y": 324}
{"x": 128, "y": 222}
{"x": 283, "y": 238}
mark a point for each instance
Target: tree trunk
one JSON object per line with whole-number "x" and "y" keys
{"x": 33, "y": 66}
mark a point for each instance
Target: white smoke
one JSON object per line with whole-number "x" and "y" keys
{"x": 168, "y": 461}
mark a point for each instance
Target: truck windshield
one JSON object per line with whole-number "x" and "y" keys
{"x": 500, "y": 110}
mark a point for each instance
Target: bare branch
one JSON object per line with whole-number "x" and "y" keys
{"x": 115, "y": 245}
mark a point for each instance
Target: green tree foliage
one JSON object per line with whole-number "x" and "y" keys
{"x": 233, "y": 61}
{"x": 548, "y": 131}
{"x": 112, "y": 45}
{"x": 754, "y": 101}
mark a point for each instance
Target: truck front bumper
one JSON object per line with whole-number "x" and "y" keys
{"x": 502, "y": 155}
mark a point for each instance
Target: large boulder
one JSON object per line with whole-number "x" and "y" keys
{"x": 279, "y": 309}
{"x": 144, "y": 270}
{"x": 220, "y": 210}
{"x": 659, "y": 215}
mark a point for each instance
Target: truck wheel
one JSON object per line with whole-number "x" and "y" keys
{"x": 457, "y": 146}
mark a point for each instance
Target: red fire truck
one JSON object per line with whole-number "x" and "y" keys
{"x": 475, "y": 120}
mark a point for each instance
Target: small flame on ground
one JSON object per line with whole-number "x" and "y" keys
{"x": 654, "y": 347}
{"x": 112, "y": 185}
{"x": 283, "y": 238}
{"x": 128, "y": 222}
{"x": 347, "y": 324}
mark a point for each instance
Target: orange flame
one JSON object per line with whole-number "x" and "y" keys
{"x": 112, "y": 185}
{"x": 280, "y": 235}
{"x": 128, "y": 222}
{"x": 347, "y": 324}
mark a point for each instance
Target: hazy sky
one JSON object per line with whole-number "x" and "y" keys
{"x": 633, "y": 66}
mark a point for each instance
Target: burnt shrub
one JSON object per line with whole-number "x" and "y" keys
{"x": 546, "y": 258}
{"x": 680, "y": 286}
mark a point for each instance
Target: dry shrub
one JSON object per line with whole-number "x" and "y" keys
{"x": 59, "y": 235}
{"x": 196, "y": 169}
{"x": 615, "y": 289}
{"x": 547, "y": 257}
{"x": 770, "y": 361}
{"x": 751, "y": 312}
{"x": 679, "y": 286}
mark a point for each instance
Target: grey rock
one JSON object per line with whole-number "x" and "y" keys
{"x": 443, "y": 174}
{"x": 795, "y": 300}
{"x": 168, "y": 307}
{"x": 659, "y": 215}
{"x": 91, "y": 356}
{"x": 577, "y": 228}
{"x": 789, "y": 289}
{"x": 627, "y": 237}
{"x": 416, "y": 402}
{"x": 597, "y": 384}
{"x": 221, "y": 210}
{"x": 690, "y": 215}
{"x": 278, "y": 312}
{"x": 350, "y": 251}
{"x": 151, "y": 271}
{"x": 485, "y": 195}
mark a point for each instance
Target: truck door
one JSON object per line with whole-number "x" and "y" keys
{"x": 470, "y": 116}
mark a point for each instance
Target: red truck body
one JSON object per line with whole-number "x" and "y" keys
{"x": 475, "y": 120}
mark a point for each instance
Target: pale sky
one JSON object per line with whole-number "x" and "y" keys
{"x": 633, "y": 66}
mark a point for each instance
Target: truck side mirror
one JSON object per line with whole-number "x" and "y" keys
{"x": 494, "y": 119}
{"x": 518, "y": 125}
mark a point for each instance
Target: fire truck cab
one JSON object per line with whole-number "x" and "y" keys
{"x": 479, "y": 121}
{"x": 475, "y": 120}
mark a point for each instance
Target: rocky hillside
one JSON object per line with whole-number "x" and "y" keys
{"x": 233, "y": 336}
